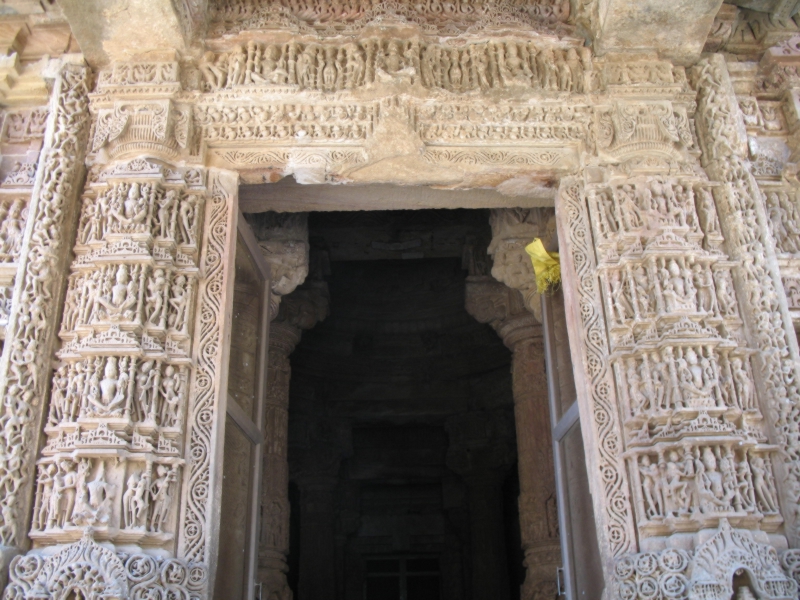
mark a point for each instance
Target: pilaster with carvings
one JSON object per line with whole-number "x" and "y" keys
{"x": 745, "y": 217}
{"x": 38, "y": 247}
{"x": 649, "y": 257}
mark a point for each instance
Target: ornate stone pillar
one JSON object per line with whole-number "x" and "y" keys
{"x": 300, "y": 310}
{"x": 679, "y": 342}
{"x": 133, "y": 425}
{"x": 480, "y": 452}
{"x": 744, "y": 221}
{"x": 504, "y": 309}
{"x": 36, "y": 302}
{"x": 274, "y": 536}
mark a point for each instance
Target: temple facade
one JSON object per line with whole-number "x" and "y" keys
{"x": 269, "y": 329}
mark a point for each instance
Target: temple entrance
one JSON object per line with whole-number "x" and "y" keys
{"x": 404, "y": 447}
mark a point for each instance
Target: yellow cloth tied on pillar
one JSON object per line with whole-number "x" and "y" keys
{"x": 545, "y": 265}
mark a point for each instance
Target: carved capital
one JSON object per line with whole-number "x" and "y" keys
{"x": 503, "y": 308}
{"x": 306, "y": 306}
{"x": 512, "y": 230}
{"x": 283, "y": 238}
{"x": 162, "y": 128}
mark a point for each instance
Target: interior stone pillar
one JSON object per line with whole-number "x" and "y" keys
{"x": 478, "y": 454}
{"x": 274, "y": 535}
{"x": 504, "y": 308}
{"x": 285, "y": 247}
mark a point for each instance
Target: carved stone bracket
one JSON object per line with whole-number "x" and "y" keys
{"x": 283, "y": 238}
{"x": 512, "y": 230}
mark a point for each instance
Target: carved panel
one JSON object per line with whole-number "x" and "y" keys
{"x": 123, "y": 381}
{"x": 482, "y": 66}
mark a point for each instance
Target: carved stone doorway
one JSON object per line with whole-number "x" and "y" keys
{"x": 465, "y": 448}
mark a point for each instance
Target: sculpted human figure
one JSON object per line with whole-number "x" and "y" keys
{"x": 166, "y": 222}
{"x": 631, "y": 214}
{"x": 11, "y": 232}
{"x": 101, "y": 496}
{"x": 59, "y": 395}
{"x": 67, "y": 492}
{"x": 725, "y": 295}
{"x": 704, "y": 284}
{"x": 46, "y": 480}
{"x": 172, "y": 394}
{"x": 212, "y": 73}
{"x": 75, "y": 392}
{"x": 179, "y": 302}
{"x": 237, "y": 63}
{"x": 714, "y": 496}
{"x": 742, "y": 384}
{"x": 763, "y": 484}
{"x": 651, "y": 478}
{"x": 620, "y": 298}
{"x": 112, "y": 388}
{"x": 118, "y": 299}
{"x": 128, "y": 507}
{"x": 674, "y": 486}
{"x": 161, "y": 497}
{"x": 156, "y": 290}
{"x": 188, "y": 217}
{"x": 638, "y": 401}
{"x": 145, "y": 385}
{"x": 56, "y": 497}
{"x": 662, "y": 383}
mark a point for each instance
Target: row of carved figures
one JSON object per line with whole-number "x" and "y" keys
{"x": 653, "y": 205}
{"x": 351, "y": 10}
{"x": 706, "y": 481}
{"x": 158, "y": 298}
{"x": 134, "y": 208}
{"x": 144, "y": 390}
{"x": 668, "y": 285}
{"x": 69, "y": 494}
{"x": 691, "y": 378}
{"x": 330, "y": 68}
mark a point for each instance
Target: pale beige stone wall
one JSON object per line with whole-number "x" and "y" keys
{"x": 678, "y": 225}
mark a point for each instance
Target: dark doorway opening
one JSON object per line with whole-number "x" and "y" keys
{"x": 401, "y": 416}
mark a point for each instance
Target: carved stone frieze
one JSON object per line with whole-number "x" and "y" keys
{"x": 337, "y": 18}
{"x": 415, "y": 63}
{"x": 124, "y": 379}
